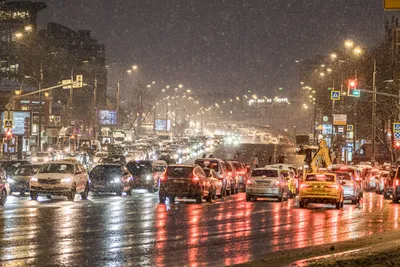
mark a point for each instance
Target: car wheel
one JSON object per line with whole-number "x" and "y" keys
{"x": 22, "y": 193}
{"x": 341, "y": 204}
{"x": 48, "y": 196}
{"x": 161, "y": 198}
{"x": 223, "y": 192}
{"x": 227, "y": 193}
{"x": 385, "y": 195}
{"x": 214, "y": 194}
{"x": 280, "y": 198}
{"x": 287, "y": 197}
{"x": 232, "y": 190}
{"x": 71, "y": 194}
{"x": 3, "y": 197}
{"x": 85, "y": 193}
{"x": 209, "y": 197}
{"x": 248, "y": 197}
{"x": 338, "y": 205}
{"x": 118, "y": 193}
{"x": 34, "y": 195}
{"x": 199, "y": 198}
{"x": 301, "y": 204}
{"x": 395, "y": 200}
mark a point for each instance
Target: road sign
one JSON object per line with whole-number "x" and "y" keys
{"x": 396, "y": 127}
{"x": 397, "y": 136}
{"x": 350, "y": 128}
{"x": 8, "y": 124}
{"x": 340, "y": 130}
{"x": 57, "y": 118}
{"x": 335, "y": 95}
{"x": 340, "y": 119}
{"x": 72, "y": 123}
{"x": 355, "y": 92}
{"x": 78, "y": 82}
{"x": 67, "y": 82}
{"x": 325, "y": 118}
{"x": 391, "y": 5}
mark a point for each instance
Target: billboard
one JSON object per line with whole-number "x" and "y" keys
{"x": 162, "y": 125}
{"x": 107, "y": 117}
{"x": 18, "y": 118}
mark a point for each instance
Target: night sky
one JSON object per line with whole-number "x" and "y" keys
{"x": 221, "y": 45}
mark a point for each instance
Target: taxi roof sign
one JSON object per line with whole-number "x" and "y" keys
{"x": 391, "y": 5}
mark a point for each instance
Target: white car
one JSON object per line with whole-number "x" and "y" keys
{"x": 42, "y": 157}
{"x": 99, "y": 155}
{"x": 60, "y": 178}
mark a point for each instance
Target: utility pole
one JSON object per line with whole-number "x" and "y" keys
{"x": 40, "y": 105}
{"x": 166, "y": 113}
{"x": 373, "y": 114}
{"x": 117, "y": 103}
{"x": 95, "y": 108}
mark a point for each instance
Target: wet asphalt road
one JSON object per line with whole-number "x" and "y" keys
{"x": 119, "y": 231}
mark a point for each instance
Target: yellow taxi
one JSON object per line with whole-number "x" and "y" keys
{"x": 321, "y": 188}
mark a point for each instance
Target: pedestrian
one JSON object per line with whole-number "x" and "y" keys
{"x": 237, "y": 156}
{"x": 204, "y": 156}
{"x": 278, "y": 159}
{"x": 270, "y": 160}
{"x": 255, "y": 161}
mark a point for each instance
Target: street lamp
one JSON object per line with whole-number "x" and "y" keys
{"x": 357, "y": 51}
{"x": 333, "y": 56}
{"x": 348, "y": 44}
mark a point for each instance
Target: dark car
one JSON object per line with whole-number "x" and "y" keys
{"x": 110, "y": 177}
{"x": 388, "y": 187}
{"x": 233, "y": 176}
{"x": 9, "y": 166}
{"x": 242, "y": 174}
{"x": 188, "y": 181}
{"x": 19, "y": 180}
{"x": 145, "y": 175}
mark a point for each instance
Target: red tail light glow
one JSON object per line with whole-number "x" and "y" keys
{"x": 249, "y": 182}
{"x": 277, "y": 183}
{"x": 304, "y": 186}
{"x": 195, "y": 178}
{"x": 164, "y": 176}
{"x": 333, "y": 186}
{"x": 397, "y": 182}
{"x": 229, "y": 173}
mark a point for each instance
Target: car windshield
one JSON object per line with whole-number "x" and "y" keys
{"x": 105, "y": 171}
{"x": 320, "y": 178}
{"x": 57, "y": 168}
{"x": 212, "y": 164}
{"x": 24, "y": 171}
{"x": 137, "y": 168}
{"x": 179, "y": 172}
{"x": 343, "y": 176}
{"x": 265, "y": 173}
{"x": 159, "y": 168}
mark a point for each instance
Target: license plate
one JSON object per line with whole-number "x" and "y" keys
{"x": 317, "y": 189}
{"x": 263, "y": 183}
{"x": 179, "y": 182}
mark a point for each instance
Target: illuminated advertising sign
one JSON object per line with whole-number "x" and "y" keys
{"x": 162, "y": 125}
{"x": 18, "y": 118}
{"x": 107, "y": 117}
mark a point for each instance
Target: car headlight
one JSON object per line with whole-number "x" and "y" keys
{"x": 116, "y": 181}
{"x": 176, "y": 156}
{"x": 34, "y": 179}
{"x": 66, "y": 180}
{"x": 34, "y": 159}
{"x": 148, "y": 177}
{"x": 179, "y": 151}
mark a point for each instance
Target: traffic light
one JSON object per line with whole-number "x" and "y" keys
{"x": 27, "y": 127}
{"x": 396, "y": 144}
{"x": 352, "y": 88}
{"x": 9, "y": 134}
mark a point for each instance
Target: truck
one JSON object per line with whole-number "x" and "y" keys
{"x": 302, "y": 141}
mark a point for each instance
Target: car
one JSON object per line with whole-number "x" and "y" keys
{"x": 352, "y": 190}
{"x": 145, "y": 175}
{"x": 321, "y": 188}
{"x": 217, "y": 187}
{"x": 4, "y": 187}
{"x": 242, "y": 174}
{"x": 293, "y": 174}
{"x": 98, "y": 156}
{"x": 42, "y": 157}
{"x": 60, "y": 178}
{"x": 290, "y": 178}
{"x": 19, "y": 180}
{"x": 266, "y": 182}
{"x": 9, "y": 166}
{"x": 189, "y": 181}
{"x": 381, "y": 182}
{"x": 388, "y": 188}
{"x": 232, "y": 176}
{"x": 135, "y": 155}
{"x": 371, "y": 179}
{"x": 110, "y": 177}
{"x": 220, "y": 169}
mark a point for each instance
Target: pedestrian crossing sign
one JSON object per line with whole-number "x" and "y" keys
{"x": 350, "y": 128}
{"x": 8, "y": 124}
{"x": 396, "y": 127}
{"x": 335, "y": 95}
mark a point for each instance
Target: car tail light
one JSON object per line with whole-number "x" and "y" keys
{"x": 195, "y": 178}
{"x": 249, "y": 182}
{"x": 397, "y": 182}
{"x": 358, "y": 178}
{"x": 304, "y": 186}
{"x": 163, "y": 176}
{"x": 229, "y": 173}
{"x": 333, "y": 186}
{"x": 351, "y": 184}
{"x": 277, "y": 183}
